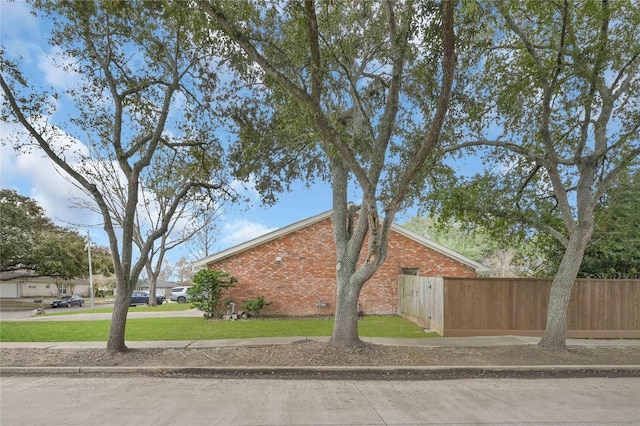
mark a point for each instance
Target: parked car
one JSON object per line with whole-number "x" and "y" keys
{"x": 142, "y": 298}
{"x": 67, "y": 301}
{"x": 179, "y": 294}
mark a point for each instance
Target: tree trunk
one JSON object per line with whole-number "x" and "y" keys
{"x": 555, "y": 334}
{"x": 116, "y": 343}
{"x": 152, "y": 293}
{"x": 152, "y": 284}
{"x": 345, "y": 326}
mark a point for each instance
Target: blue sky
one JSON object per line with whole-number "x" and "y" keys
{"x": 24, "y": 38}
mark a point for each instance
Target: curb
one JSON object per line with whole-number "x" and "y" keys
{"x": 340, "y": 372}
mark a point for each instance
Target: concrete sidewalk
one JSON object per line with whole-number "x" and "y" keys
{"x": 417, "y": 342}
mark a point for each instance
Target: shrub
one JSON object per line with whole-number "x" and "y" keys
{"x": 255, "y": 306}
{"x": 208, "y": 285}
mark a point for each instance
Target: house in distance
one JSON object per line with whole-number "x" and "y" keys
{"x": 294, "y": 269}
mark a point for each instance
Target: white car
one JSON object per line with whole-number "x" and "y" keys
{"x": 179, "y": 294}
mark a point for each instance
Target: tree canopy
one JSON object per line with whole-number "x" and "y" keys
{"x": 62, "y": 255}
{"x": 31, "y": 241}
{"x": 554, "y": 105}
{"x": 371, "y": 96}
{"x": 615, "y": 250}
{"x": 22, "y": 222}
{"x": 354, "y": 92}
{"x": 144, "y": 107}
{"x": 506, "y": 257}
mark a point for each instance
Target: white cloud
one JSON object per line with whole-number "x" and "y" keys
{"x": 246, "y": 189}
{"x": 236, "y": 230}
{"x": 7, "y": 158}
{"x": 24, "y": 39}
{"x": 239, "y": 231}
{"x": 34, "y": 175}
{"x": 53, "y": 67}
{"x": 54, "y": 192}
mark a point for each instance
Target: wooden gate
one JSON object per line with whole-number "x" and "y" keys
{"x": 420, "y": 299}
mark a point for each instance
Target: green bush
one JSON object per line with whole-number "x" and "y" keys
{"x": 208, "y": 285}
{"x": 255, "y": 306}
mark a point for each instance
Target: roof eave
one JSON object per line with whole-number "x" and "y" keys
{"x": 231, "y": 251}
{"x": 478, "y": 267}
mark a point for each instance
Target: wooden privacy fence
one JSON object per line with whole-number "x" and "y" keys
{"x": 507, "y": 306}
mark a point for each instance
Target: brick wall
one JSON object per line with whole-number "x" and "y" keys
{"x": 296, "y": 272}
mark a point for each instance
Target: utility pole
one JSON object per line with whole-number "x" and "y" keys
{"x": 88, "y": 247}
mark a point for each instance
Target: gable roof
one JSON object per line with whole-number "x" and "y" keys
{"x": 478, "y": 267}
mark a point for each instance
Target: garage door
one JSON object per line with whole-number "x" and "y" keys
{"x": 8, "y": 290}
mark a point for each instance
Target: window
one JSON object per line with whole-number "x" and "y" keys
{"x": 63, "y": 289}
{"x": 410, "y": 271}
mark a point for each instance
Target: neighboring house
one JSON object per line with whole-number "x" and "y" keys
{"x": 25, "y": 284}
{"x": 294, "y": 268}
{"x": 163, "y": 288}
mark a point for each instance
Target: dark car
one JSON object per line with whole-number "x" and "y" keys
{"x": 142, "y": 298}
{"x": 67, "y": 301}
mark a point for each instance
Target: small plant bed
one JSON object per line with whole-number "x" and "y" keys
{"x": 251, "y": 309}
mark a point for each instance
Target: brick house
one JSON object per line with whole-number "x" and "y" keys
{"x": 294, "y": 268}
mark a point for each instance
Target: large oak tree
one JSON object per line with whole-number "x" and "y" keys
{"x": 357, "y": 91}
{"x": 555, "y": 103}
{"x": 143, "y": 94}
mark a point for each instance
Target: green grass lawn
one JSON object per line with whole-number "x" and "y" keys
{"x": 199, "y": 329}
